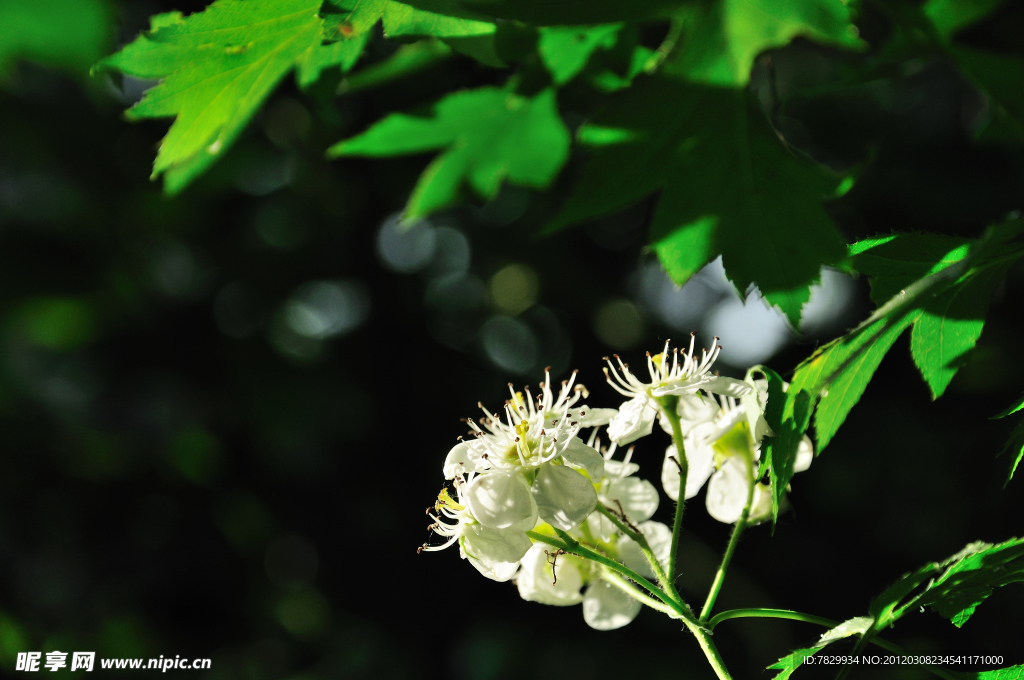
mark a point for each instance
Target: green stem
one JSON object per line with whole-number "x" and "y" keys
{"x": 623, "y": 584}
{"x": 734, "y": 540}
{"x": 675, "y": 31}
{"x": 703, "y": 636}
{"x": 668, "y": 409}
{"x": 571, "y": 545}
{"x": 659, "y": 571}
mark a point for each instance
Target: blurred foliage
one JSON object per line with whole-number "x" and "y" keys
{"x": 220, "y": 408}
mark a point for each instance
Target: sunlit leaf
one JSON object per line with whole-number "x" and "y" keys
{"x": 566, "y": 50}
{"x": 728, "y": 185}
{"x": 723, "y": 40}
{"x": 949, "y": 16}
{"x": 489, "y": 135}
{"x": 69, "y": 34}
{"x": 217, "y": 66}
{"x": 950, "y": 326}
{"x": 345, "y": 30}
{"x": 970, "y": 579}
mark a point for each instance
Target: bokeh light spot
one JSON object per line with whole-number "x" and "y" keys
{"x": 57, "y": 323}
{"x": 509, "y": 343}
{"x": 325, "y": 309}
{"x": 619, "y": 324}
{"x": 405, "y": 248}
{"x": 195, "y": 454}
{"x": 304, "y": 614}
{"x": 514, "y": 288}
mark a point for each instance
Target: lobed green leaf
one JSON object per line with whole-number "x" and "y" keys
{"x": 489, "y": 136}
{"x": 727, "y": 184}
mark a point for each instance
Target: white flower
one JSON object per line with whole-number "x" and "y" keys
{"x": 532, "y": 463}
{"x": 619, "y": 490}
{"x": 494, "y": 552}
{"x": 564, "y": 580}
{"x": 605, "y": 607}
{"x": 700, "y": 440}
{"x": 551, "y": 579}
{"x": 672, "y": 373}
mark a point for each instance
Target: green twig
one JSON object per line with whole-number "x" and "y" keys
{"x": 668, "y": 409}
{"x": 741, "y": 524}
{"x": 645, "y": 547}
{"x": 571, "y": 545}
{"x": 624, "y": 585}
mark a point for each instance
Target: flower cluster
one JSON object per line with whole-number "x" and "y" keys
{"x": 525, "y": 481}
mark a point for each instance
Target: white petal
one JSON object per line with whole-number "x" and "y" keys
{"x": 761, "y": 507}
{"x": 727, "y": 491}
{"x": 730, "y": 387}
{"x": 605, "y": 607}
{"x": 582, "y": 457}
{"x": 638, "y": 497}
{"x": 616, "y": 469}
{"x": 658, "y": 536}
{"x": 496, "y": 571}
{"x": 564, "y": 497}
{"x": 501, "y": 501}
{"x": 634, "y": 419}
{"x": 804, "y": 455}
{"x": 633, "y": 557}
{"x": 754, "y": 404}
{"x": 692, "y": 409}
{"x": 492, "y": 546}
{"x": 700, "y": 459}
{"x": 600, "y": 527}
{"x": 591, "y": 417}
{"x": 458, "y": 462}
{"x": 536, "y": 582}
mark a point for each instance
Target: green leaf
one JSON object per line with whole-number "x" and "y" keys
{"x": 1011, "y": 409}
{"x": 949, "y": 16}
{"x": 972, "y": 576}
{"x": 788, "y": 414}
{"x": 789, "y": 663}
{"x": 218, "y": 66}
{"x": 571, "y": 12}
{"x": 1000, "y": 76}
{"x": 723, "y": 40}
{"x": 954, "y": 275}
{"x": 566, "y": 50}
{"x": 345, "y": 30}
{"x": 727, "y": 184}
{"x": 465, "y": 31}
{"x": 443, "y": 19}
{"x": 950, "y": 327}
{"x": 68, "y": 34}
{"x": 853, "y": 361}
{"x": 792, "y": 661}
{"x": 1015, "y": 445}
{"x": 894, "y": 262}
{"x": 407, "y": 60}
{"x": 1012, "y": 673}
{"x": 490, "y": 136}
{"x": 790, "y": 302}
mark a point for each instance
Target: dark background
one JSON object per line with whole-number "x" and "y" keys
{"x": 184, "y": 474}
